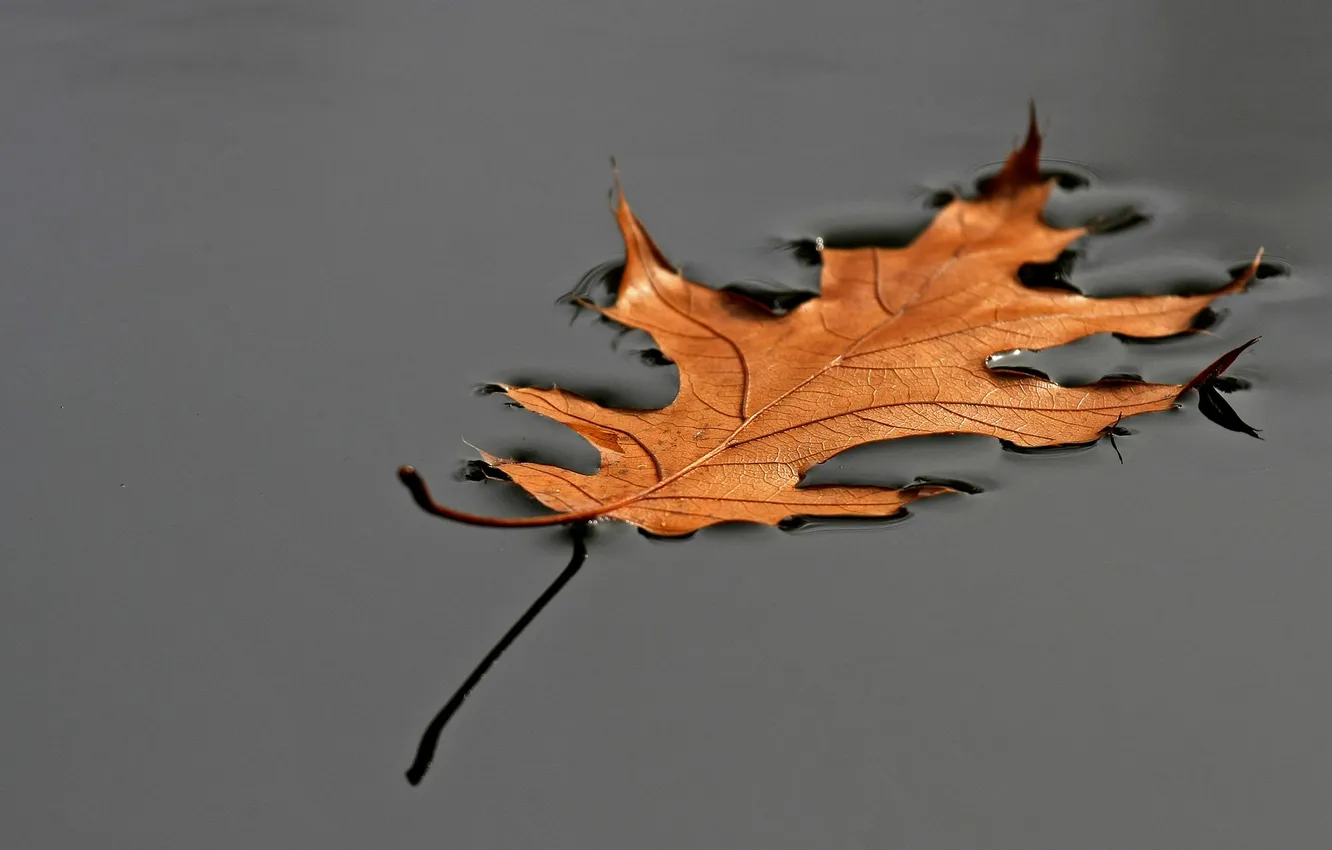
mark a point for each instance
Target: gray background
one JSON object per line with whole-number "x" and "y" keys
{"x": 254, "y": 255}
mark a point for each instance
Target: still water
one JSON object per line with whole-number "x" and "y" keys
{"x": 257, "y": 254}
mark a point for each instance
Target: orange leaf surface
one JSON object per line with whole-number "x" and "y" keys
{"x": 894, "y": 346}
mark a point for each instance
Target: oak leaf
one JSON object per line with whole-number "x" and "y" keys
{"x": 895, "y": 345}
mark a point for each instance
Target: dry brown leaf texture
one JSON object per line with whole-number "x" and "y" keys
{"x": 894, "y": 346}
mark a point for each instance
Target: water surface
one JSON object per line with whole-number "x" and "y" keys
{"x": 257, "y": 254}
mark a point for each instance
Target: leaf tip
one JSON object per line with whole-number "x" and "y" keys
{"x": 1023, "y": 166}
{"x": 637, "y": 241}
{"x": 1247, "y": 276}
{"x": 1218, "y": 366}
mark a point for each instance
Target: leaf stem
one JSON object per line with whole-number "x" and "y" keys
{"x": 425, "y": 751}
{"x": 412, "y": 480}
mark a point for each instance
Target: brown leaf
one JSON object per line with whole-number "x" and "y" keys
{"x": 895, "y": 346}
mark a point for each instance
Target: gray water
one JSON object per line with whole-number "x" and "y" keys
{"x": 254, "y": 255}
